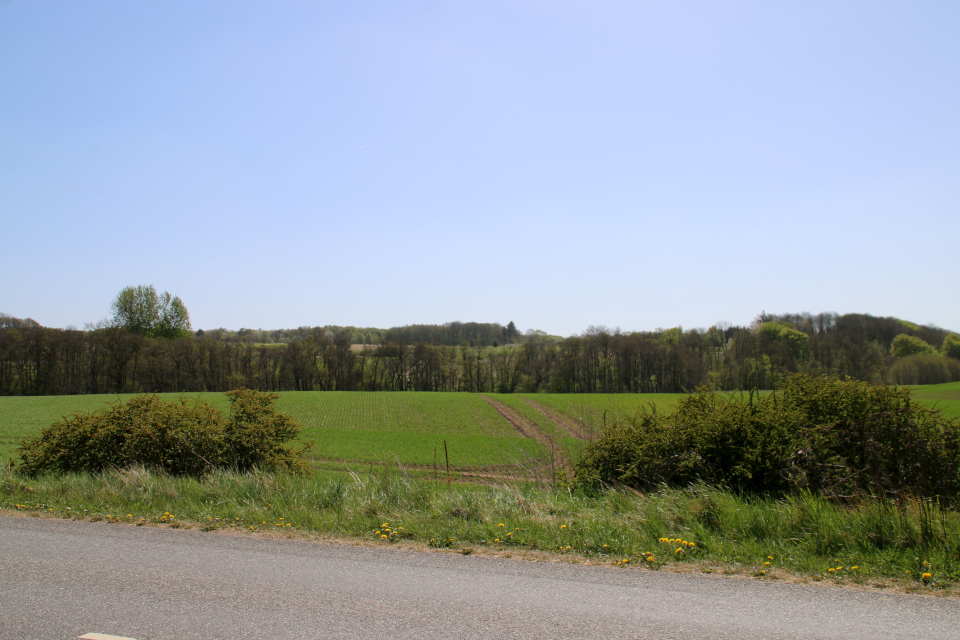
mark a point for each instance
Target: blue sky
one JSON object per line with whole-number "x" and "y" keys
{"x": 559, "y": 164}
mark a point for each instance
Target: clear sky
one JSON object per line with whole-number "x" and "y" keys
{"x": 559, "y": 164}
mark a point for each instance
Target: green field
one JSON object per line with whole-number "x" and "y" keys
{"x": 590, "y": 411}
{"x": 945, "y": 397}
{"x": 353, "y": 428}
{"x": 408, "y": 428}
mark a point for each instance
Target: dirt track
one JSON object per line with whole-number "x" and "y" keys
{"x": 530, "y": 429}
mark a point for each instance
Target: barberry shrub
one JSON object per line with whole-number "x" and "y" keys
{"x": 834, "y": 437}
{"x": 180, "y": 438}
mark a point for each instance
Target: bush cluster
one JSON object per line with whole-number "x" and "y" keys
{"x": 177, "y": 438}
{"x": 833, "y": 437}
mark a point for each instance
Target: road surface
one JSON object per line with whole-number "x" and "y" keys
{"x": 60, "y": 579}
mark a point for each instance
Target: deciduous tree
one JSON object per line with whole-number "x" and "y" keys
{"x": 141, "y": 310}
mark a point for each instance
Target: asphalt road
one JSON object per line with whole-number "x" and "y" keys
{"x": 60, "y": 579}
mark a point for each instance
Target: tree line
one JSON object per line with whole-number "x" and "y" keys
{"x": 111, "y": 357}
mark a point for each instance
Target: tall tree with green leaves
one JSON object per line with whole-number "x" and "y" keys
{"x": 143, "y": 311}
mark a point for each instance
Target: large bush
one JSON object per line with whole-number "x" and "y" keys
{"x": 837, "y": 438}
{"x": 178, "y": 438}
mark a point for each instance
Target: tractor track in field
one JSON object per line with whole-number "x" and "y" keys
{"x": 571, "y": 428}
{"x": 529, "y": 429}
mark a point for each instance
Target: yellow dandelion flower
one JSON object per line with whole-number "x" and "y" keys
{"x": 651, "y": 558}
{"x": 496, "y": 539}
{"x": 839, "y": 568}
{"x": 831, "y": 570}
{"x": 926, "y": 576}
{"x": 763, "y": 573}
{"x": 500, "y": 525}
{"x": 766, "y": 564}
{"x": 854, "y": 567}
{"x": 384, "y": 536}
{"x": 678, "y": 550}
{"x": 692, "y": 545}
{"x": 769, "y": 557}
{"x": 563, "y": 526}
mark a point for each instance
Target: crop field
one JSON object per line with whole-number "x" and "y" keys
{"x": 352, "y": 428}
{"x": 591, "y": 410}
{"x": 408, "y": 428}
{"x": 945, "y": 397}
{"x": 554, "y": 427}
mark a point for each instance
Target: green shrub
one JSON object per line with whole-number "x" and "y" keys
{"x": 180, "y": 439}
{"x": 924, "y": 369}
{"x": 255, "y": 433}
{"x": 837, "y": 438}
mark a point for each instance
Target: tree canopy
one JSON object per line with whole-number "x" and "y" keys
{"x": 143, "y": 311}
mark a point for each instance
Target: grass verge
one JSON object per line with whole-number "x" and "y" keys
{"x": 912, "y": 546}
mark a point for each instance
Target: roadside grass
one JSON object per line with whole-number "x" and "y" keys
{"x": 913, "y": 546}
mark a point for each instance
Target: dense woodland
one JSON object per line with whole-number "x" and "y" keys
{"x": 474, "y": 357}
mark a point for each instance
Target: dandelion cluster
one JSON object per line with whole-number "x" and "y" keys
{"x": 683, "y": 546}
{"x": 387, "y": 533}
{"x": 647, "y": 558}
{"x": 37, "y": 507}
{"x": 840, "y": 570}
